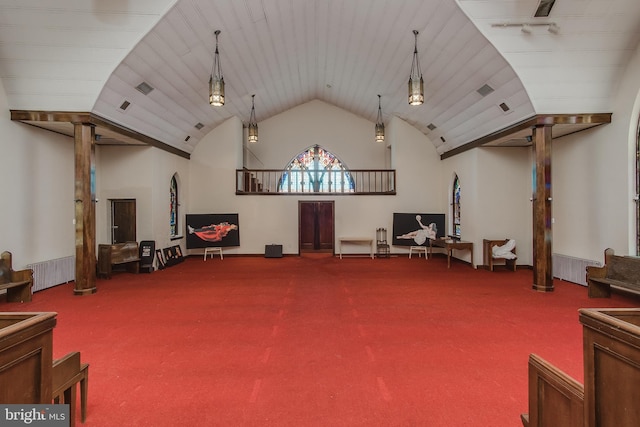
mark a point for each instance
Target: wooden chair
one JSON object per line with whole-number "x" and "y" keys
{"x": 67, "y": 372}
{"x": 489, "y": 259}
{"x": 382, "y": 247}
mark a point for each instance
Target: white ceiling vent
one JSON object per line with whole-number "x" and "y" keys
{"x": 485, "y": 90}
{"x": 145, "y": 88}
{"x": 544, "y": 8}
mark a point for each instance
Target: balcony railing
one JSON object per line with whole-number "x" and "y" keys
{"x": 285, "y": 182}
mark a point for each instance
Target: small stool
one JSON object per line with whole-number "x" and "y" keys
{"x": 212, "y": 251}
{"x": 419, "y": 250}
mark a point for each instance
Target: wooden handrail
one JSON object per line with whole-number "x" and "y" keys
{"x": 337, "y": 182}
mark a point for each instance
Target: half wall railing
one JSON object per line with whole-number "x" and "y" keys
{"x": 296, "y": 182}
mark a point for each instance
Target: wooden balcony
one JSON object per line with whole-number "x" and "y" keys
{"x": 296, "y": 182}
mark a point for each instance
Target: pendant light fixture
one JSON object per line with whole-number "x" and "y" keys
{"x": 379, "y": 124}
{"x": 416, "y": 84}
{"x": 216, "y": 81}
{"x": 253, "y": 125}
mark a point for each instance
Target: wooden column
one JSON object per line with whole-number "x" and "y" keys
{"x": 85, "y": 212}
{"x": 542, "y": 237}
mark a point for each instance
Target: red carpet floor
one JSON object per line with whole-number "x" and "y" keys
{"x": 315, "y": 341}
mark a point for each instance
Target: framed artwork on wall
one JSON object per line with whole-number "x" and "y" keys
{"x": 415, "y": 229}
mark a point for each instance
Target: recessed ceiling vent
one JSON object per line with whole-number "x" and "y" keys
{"x": 199, "y": 126}
{"x": 431, "y": 126}
{"x": 187, "y": 138}
{"x": 544, "y": 8}
{"x": 125, "y": 105}
{"x": 504, "y": 107}
{"x": 442, "y": 139}
{"x": 145, "y": 88}
{"x": 485, "y": 90}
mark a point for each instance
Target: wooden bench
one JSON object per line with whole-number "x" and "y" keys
{"x": 17, "y": 283}
{"x": 126, "y": 254}
{"x": 67, "y": 372}
{"x": 618, "y": 271}
{"x": 490, "y": 259}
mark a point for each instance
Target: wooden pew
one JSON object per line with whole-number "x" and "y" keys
{"x": 126, "y": 254}
{"x": 618, "y": 272}
{"x": 17, "y": 283}
{"x": 555, "y": 399}
{"x": 67, "y": 372}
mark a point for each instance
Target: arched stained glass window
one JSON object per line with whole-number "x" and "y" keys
{"x": 316, "y": 170}
{"x": 456, "y": 206}
{"x": 173, "y": 206}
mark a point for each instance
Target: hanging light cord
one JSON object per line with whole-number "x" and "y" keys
{"x": 415, "y": 65}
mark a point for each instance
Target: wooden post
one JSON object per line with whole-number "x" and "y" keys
{"x": 85, "y": 213}
{"x": 542, "y": 237}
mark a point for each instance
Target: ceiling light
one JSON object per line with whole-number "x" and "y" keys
{"x": 379, "y": 124}
{"x": 253, "y": 125}
{"x": 216, "y": 81}
{"x": 416, "y": 84}
{"x": 198, "y": 126}
{"x": 431, "y": 126}
{"x": 527, "y": 27}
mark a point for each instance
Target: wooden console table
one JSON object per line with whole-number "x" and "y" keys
{"x": 356, "y": 240}
{"x": 449, "y": 246}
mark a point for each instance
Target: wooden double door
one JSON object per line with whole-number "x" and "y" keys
{"x": 316, "y": 226}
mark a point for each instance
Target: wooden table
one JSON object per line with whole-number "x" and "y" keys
{"x": 449, "y": 246}
{"x": 356, "y": 240}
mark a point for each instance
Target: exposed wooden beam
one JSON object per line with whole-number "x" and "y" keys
{"x": 589, "y": 120}
{"x": 40, "y": 118}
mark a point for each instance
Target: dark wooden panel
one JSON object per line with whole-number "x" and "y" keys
{"x": 325, "y": 225}
{"x": 307, "y": 225}
{"x": 123, "y": 220}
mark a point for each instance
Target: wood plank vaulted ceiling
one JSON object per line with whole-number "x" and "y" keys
{"x": 89, "y": 56}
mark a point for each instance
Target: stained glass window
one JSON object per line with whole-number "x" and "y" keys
{"x": 316, "y": 170}
{"x": 456, "y": 206}
{"x": 173, "y": 206}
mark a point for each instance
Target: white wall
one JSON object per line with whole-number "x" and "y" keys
{"x": 495, "y": 191}
{"x": 143, "y": 174}
{"x": 593, "y": 175}
{"x": 36, "y": 191}
{"x": 274, "y": 219}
